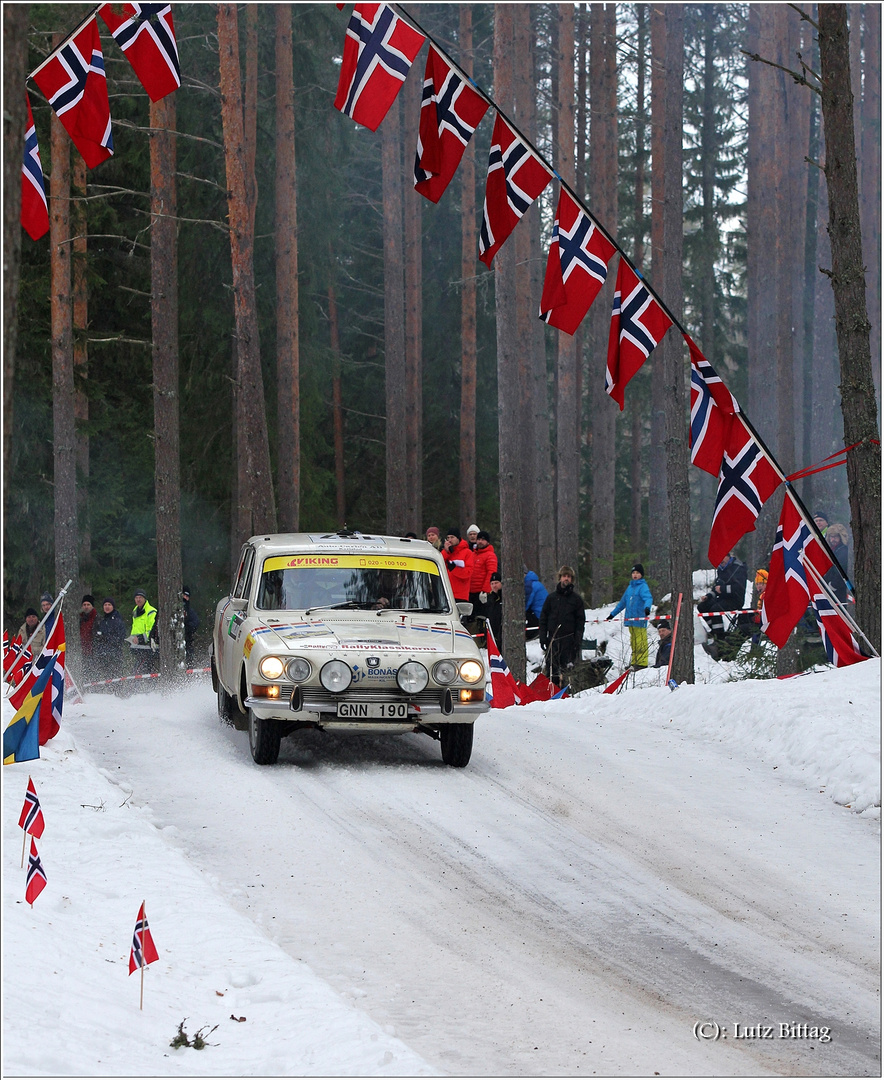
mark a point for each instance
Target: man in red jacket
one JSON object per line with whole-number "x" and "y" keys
{"x": 459, "y": 561}
{"x": 484, "y": 565}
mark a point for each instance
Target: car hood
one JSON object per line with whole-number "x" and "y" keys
{"x": 386, "y": 633}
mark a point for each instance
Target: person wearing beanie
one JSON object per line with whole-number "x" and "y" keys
{"x": 637, "y": 602}
{"x": 484, "y": 565}
{"x": 32, "y": 621}
{"x": 459, "y": 562}
{"x": 494, "y": 608}
{"x": 664, "y": 650}
{"x": 46, "y": 601}
{"x": 728, "y": 593}
{"x": 107, "y": 646}
{"x": 472, "y": 536}
{"x": 434, "y": 537}
{"x": 88, "y": 619}
{"x": 144, "y": 617}
{"x": 561, "y": 623}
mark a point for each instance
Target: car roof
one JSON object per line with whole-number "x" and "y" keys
{"x": 343, "y": 541}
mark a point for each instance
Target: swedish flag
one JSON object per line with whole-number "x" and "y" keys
{"x": 21, "y": 740}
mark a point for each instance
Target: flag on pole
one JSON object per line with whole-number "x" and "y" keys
{"x": 450, "y": 113}
{"x": 34, "y": 212}
{"x": 36, "y": 880}
{"x": 146, "y": 35}
{"x": 504, "y": 690}
{"x": 576, "y": 266}
{"x": 379, "y": 50}
{"x": 52, "y": 658}
{"x": 31, "y": 817}
{"x": 21, "y": 739}
{"x": 143, "y": 949}
{"x": 613, "y": 687}
{"x": 712, "y": 406}
{"x": 73, "y": 80}
{"x": 638, "y": 324}
{"x": 840, "y": 644}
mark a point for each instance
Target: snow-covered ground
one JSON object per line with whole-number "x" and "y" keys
{"x": 606, "y": 874}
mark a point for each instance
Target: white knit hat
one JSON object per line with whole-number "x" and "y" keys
{"x": 472, "y": 528}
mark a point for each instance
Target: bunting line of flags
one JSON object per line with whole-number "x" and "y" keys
{"x": 379, "y": 49}
{"x": 72, "y": 79}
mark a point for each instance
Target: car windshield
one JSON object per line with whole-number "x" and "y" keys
{"x": 367, "y": 582}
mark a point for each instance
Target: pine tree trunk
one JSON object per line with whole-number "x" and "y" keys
{"x": 257, "y": 508}
{"x": 658, "y": 503}
{"x": 394, "y": 322}
{"x": 870, "y": 177}
{"x": 414, "y": 405}
{"x": 15, "y": 66}
{"x": 164, "y": 332}
{"x": 467, "y": 444}
{"x": 677, "y": 402}
{"x": 79, "y": 226}
{"x": 64, "y": 432}
{"x": 638, "y": 252}
{"x": 287, "y": 319}
{"x": 603, "y": 186}
{"x": 337, "y": 407}
{"x": 852, "y": 327}
{"x": 508, "y": 398}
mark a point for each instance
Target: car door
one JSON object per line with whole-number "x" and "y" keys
{"x": 230, "y": 629}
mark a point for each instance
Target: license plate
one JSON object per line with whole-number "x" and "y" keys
{"x": 373, "y": 710}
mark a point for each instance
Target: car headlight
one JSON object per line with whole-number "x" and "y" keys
{"x": 271, "y": 667}
{"x": 471, "y": 671}
{"x": 445, "y": 672}
{"x": 412, "y": 677}
{"x": 298, "y": 670}
{"x": 335, "y": 676}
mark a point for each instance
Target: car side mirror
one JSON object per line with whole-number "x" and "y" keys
{"x": 464, "y": 609}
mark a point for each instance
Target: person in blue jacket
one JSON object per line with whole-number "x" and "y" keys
{"x": 637, "y": 601}
{"x": 535, "y": 594}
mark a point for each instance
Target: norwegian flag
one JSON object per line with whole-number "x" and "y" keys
{"x": 576, "y": 267}
{"x": 34, "y": 212}
{"x": 31, "y": 818}
{"x": 146, "y": 35}
{"x": 450, "y": 113}
{"x": 36, "y": 881}
{"x": 638, "y": 324}
{"x": 19, "y": 660}
{"x": 73, "y": 80}
{"x": 712, "y": 405}
{"x": 378, "y": 53}
{"x": 51, "y": 705}
{"x": 745, "y": 483}
{"x": 515, "y": 179}
{"x": 787, "y": 594}
{"x": 143, "y": 949}
{"x": 504, "y": 689}
{"x": 840, "y": 644}
{"x": 539, "y": 689}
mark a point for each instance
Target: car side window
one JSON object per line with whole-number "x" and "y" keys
{"x": 244, "y": 582}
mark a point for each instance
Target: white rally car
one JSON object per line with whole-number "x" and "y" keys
{"x": 345, "y": 632}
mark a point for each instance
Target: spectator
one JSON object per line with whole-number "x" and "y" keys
{"x": 637, "y": 601}
{"x": 535, "y": 594}
{"x": 472, "y": 536}
{"x": 728, "y": 593}
{"x": 751, "y": 623}
{"x": 45, "y": 606}
{"x": 459, "y": 563}
{"x": 836, "y": 538}
{"x": 821, "y": 520}
{"x": 434, "y": 537}
{"x": 191, "y": 623}
{"x": 664, "y": 649}
{"x": 107, "y": 648}
{"x": 143, "y": 637}
{"x": 484, "y": 565}
{"x": 494, "y": 609}
{"x": 88, "y": 619}
{"x": 32, "y": 621}
{"x": 562, "y": 619}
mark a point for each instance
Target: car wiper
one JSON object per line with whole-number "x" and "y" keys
{"x": 333, "y": 607}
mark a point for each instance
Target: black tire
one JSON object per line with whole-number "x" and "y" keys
{"x": 457, "y": 744}
{"x": 226, "y": 706}
{"x": 264, "y": 739}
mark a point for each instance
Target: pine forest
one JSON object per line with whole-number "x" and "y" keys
{"x": 247, "y": 320}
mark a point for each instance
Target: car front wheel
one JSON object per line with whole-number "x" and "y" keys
{"x": 264, "y": 739}
{"x": 457, "y": 744}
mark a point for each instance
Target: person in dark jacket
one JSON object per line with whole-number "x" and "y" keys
{"x": 494, "y": 609}
{"x": 88, "y": 622}
{"x": 664, "y": 629}
{"x": 637, "y": 601}
{"x": 107, "y": 644}
{"x": 562, "y": 619}
{"x": 191, "y": 623}
{"x": 728, "y": 592}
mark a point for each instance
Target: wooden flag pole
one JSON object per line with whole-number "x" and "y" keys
{"x": 674, "y": 632}
{"x": 143, "y": 924}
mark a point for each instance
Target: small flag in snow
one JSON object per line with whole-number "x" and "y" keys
{"x": 143, "y": 949}
{"x": 31, "y": 819}
{"x": 36, "y": 882}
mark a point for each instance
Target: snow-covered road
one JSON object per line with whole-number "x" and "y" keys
{"x": 602, "y": 877}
